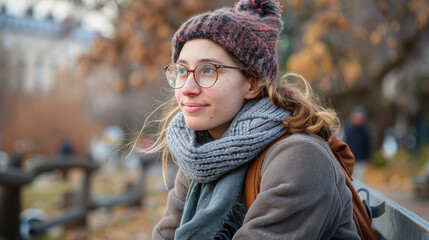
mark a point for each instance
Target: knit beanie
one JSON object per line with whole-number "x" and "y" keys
{"x": 249, "y": 32}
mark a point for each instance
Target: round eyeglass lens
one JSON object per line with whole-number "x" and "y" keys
{"x": 176, "y": 75}
{"x": 206, "y": 75}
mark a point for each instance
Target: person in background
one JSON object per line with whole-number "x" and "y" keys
{"x": 65, "y": 151}
{"x": 66, "y": 148}
{"x": 358, "y": 138}
{"x": 227, "y": 108}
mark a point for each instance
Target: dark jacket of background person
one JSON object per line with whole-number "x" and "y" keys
{"x": 358, "y": 135}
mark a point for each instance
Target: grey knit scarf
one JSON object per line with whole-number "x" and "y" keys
{"x": 203, "y": 159}
{"x": 213, "y": 208}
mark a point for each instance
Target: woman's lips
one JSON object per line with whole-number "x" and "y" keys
{"x": 193, "y": 107}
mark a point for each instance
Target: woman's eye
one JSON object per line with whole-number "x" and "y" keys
{"x": 182, "y": 71}
{"x": 209, "y": 70}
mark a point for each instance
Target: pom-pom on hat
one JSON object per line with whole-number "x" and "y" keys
{"x": 249, "y": 32}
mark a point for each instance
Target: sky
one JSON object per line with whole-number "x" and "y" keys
{"x": 100, "y": 21}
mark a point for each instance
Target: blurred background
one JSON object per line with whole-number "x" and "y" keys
{"x": 79, "y": 77}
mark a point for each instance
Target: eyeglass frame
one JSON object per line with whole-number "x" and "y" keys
{"x": 188, "y": 71}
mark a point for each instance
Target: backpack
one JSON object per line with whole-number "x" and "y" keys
{"x": 362, "y": 212}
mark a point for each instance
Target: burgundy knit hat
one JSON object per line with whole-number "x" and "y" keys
{"x": 249, "y": 32}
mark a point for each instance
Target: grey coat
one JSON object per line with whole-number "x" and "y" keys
{"x": 303, "y": 196}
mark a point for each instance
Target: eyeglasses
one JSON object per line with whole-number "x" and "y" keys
{"x": 205, "y": 74}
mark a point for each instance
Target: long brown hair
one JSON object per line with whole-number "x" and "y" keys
{"x": 309, "y": 114}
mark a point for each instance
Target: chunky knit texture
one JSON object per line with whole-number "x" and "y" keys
{"x": 213, "y": 210}
{"x": 203, "y": 159}
{"x": 249, "y": 32}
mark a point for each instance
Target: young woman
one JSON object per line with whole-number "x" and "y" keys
{"x": 227, "y": 109}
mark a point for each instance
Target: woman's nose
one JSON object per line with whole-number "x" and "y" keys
{"x": 191, "y": 87}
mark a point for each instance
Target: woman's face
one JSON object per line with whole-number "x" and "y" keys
{"x": 213, "y": 108}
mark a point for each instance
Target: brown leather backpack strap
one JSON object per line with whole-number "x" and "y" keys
{"x": 346, "y": 160}
{"x": 343, "y": 154}
{"x": 252, "y": 183}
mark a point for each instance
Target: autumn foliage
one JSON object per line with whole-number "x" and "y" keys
{"x": 340, "y": 44}
{"x": 141, "y": 43}
{"x": 348, "y": 50}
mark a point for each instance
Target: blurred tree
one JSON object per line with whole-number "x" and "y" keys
{"x": 141, "y": 40}
{"x": 35, "y": 123}
{"x": 363, "y": 52}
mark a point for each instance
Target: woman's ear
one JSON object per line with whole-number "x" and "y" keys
{"x": 253, "y": 89}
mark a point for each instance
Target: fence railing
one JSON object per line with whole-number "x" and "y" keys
{"x": 397, "y": 222}
{"x": 12, "y": 179}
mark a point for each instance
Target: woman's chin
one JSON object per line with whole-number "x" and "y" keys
{"x": 195, "y": 126}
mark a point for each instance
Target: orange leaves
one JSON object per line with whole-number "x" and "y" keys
{"x": 136, "y": 79}
{"x": 340, "y": 43}
{"x": 360, "y": 32}
{"x": 134, "y": 50}
{"x": 312, "y": 62}
{"x": 351, "y": 70}
{"x": 422, "y": 17}
{"x": 151, "y": 72}
{"x": 295, "y": 4}
{"x": 141, "y": 38}
{"x": 163, "y": 31}
{"x": 119, "y": 85}
{"x": 380, "y": 33}
{"x": 313, "y": 33}
{"x": 141, "y": 32}
{"x": 192, "y": 6}
{"x": 421, "y": 10}
{"x": 325, "y": 21}
{"x": 322, "y": 3}
{"x": 377, "y": 35}
{"x": 123, "y": 31}
{"x": 300, "y": 4}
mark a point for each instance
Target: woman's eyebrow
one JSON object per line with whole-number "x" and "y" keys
{"x": 203, "y": 60}
{"x": 211, "y": 60}
{"x": 181, "y": 61}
